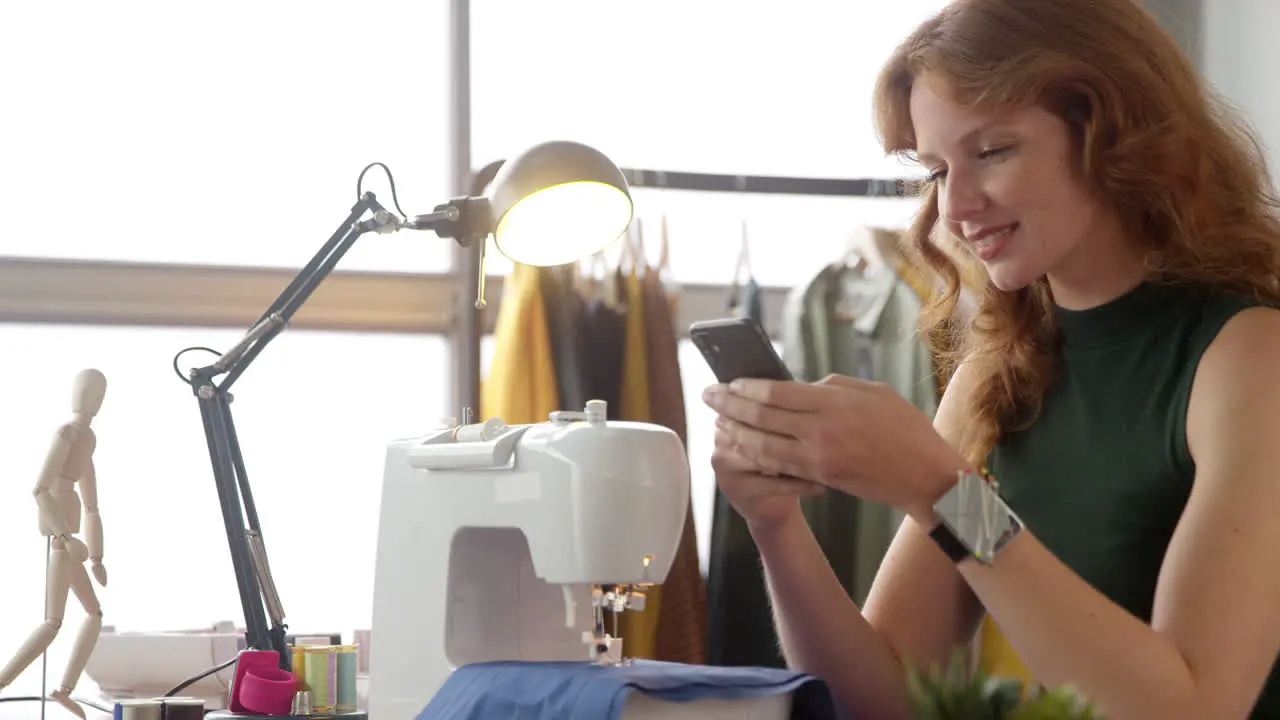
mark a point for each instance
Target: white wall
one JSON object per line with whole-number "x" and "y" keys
{"x": 1240, "y": 55}
{"x": 1183, "y": 19}
{"x": 1236, "y": 43}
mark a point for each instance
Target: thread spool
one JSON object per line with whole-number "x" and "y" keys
{"x": 305, "y": 640}
{"x": 479, "y": 432}
{"x": 138, "y": 710}
{"x": 300, "y": 665}
{"x": 363, "y": 638}
{"x": 322, "y": 677}
{"x": 169, "y": 708}
{"x": 347, "y": 659}
{"x": 183, "y": 709}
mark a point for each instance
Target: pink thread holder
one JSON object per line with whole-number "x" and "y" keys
{"x": 260, "y": 686}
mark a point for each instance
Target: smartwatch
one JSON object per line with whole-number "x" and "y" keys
{"x": 973, "y": 521}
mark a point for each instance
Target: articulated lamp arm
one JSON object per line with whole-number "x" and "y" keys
{"x": 583, "y": 204}
{"x": 212, "y": 384}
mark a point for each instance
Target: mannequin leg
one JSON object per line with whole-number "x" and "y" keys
{"x": 85, "y": 640}
{"x": 56, "y": 585}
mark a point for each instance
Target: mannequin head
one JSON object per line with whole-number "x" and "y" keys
{"x": 88, "y": 391}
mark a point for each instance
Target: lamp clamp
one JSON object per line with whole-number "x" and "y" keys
{"x": 465, "y": 220}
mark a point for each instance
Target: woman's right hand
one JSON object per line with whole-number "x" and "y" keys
{"x": 765, "y": 500}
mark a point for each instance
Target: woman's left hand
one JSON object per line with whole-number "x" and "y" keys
{"x": 853, "y": 435}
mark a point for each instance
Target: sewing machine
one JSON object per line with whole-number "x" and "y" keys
{"x": 508, "y": 543}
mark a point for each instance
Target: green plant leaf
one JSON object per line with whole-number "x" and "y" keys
{"x": 955, "y": 692}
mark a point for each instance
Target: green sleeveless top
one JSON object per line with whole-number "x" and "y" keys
{"x": 1102, "y": 476}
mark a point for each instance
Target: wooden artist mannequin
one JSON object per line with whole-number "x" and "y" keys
{"x": 69, "y": 464}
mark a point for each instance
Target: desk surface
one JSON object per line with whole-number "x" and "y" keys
{"x": 53, "y": 711}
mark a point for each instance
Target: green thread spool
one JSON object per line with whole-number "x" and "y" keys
{"x": 321, "y": 675}
{"x": 347, "y": 660}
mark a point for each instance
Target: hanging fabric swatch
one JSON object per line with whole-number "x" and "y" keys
{"x": 682, "y": 625}
{"x": 606, "y": 326}
{"x": 567, "y": 322}
{"x": 744, "y": 291}
{"x": 740, "y": 627}
{"x": 920, "y": 286}
{"x": 636, "y": 628}
{"x": 634, "y": 395}
{"x": 521, "y": 384}
{"x": 860, "y": 321}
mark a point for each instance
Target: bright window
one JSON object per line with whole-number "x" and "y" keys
{"x": 162, "y": 132}
{"x": 752, "y": 91}
{"x": 314, "y": 414}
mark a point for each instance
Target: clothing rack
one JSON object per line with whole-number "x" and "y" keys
{"x": 470, "y": 327}
{"x": 857, "y": 187}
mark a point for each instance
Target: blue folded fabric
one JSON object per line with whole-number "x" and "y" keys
{"x": 560, "y": 690}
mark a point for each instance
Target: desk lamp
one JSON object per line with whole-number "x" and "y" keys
{"x": 554, "y": 204}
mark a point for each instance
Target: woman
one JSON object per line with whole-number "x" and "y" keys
{"x": 1120, "y": 379}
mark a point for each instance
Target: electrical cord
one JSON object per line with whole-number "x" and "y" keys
{"x": 170, "y": 693}
{"x": 395, "y": 200}
{"x": 197, "y": 678}
{"x": 178, "y": 371}
{"x": 37, "y": 698}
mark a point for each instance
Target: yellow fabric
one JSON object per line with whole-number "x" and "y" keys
{"x": 521, "y": 385}
{"x": 996, "y": 657}
{"x": 638, "y": 629}
{"x": 635, "y": 360}
{"x": 914, "y": 280}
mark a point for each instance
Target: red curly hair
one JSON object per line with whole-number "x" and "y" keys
{"x": 1184, "y": 174}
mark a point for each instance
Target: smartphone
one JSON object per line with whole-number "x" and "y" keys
{"x": 737, "y": 347}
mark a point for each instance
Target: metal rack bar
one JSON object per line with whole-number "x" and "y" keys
{"x": 665, "y": 180}
{"x": 764, "y": 184}
{"x": 771, "y": 184}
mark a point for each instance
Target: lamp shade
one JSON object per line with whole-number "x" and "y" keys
{"x": 558, "y": 202}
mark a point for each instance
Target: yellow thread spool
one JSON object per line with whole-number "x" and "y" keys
{"x": 300, "y": 666}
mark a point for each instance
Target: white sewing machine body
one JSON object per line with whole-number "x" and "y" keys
{"x": 490, "y": 549}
